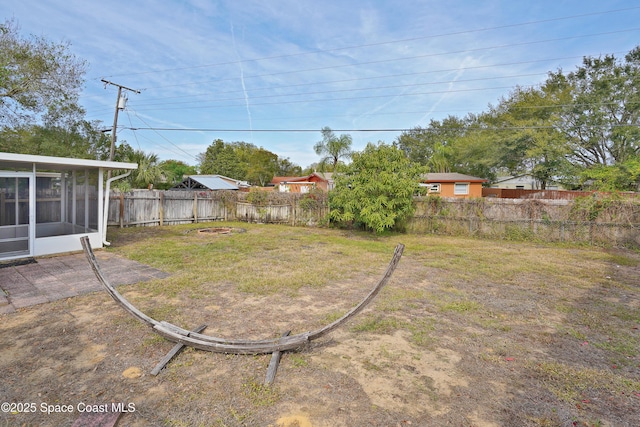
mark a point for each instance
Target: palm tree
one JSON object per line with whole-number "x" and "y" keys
{"x": 332, "y": 147}
{"x": 439, "y": 161}
{"x": 149, "y": 170}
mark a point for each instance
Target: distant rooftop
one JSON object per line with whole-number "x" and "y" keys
{"x": 206, "y": 182}
{"x": 451, "y": 177}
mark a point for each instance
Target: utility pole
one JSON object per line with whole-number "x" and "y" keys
{"x": 115, "y": 117}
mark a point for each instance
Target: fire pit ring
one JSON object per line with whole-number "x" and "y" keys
{"x": 215, "y": 230}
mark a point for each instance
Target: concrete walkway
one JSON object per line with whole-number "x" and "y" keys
{"x": 53, "y": 278}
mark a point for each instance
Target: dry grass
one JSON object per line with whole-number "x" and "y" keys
{"x": 468, "y": 332}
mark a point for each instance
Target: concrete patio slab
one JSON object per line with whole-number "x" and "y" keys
{"x": 52, "y": 278}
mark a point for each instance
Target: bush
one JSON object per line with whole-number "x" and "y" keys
{"x": 376, "y": 190}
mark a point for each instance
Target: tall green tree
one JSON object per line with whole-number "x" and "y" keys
{"x": 477, "y": 152}
{"x": 149, "y": 171}
{"x": 332, "y": 148}
{"x": 623, "y": 176}
{"x": 463, "y": 145}
{"x": 375, "y": 191}
{"x": 262, "y": 167}
{"x": 174, "y": 172}
{"x": 240, "y": 160}
{"x": 434, "y": 146}
{"x": 286, "y": 167}
{"x": 525, "y": 128}
{"x": 82, "y": 139}
{"x": 40, "y": 81}
{"x": 602, "y": 123}
{"x": 223, "y": 159}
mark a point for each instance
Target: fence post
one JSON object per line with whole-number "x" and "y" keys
{"x": 161, "y": 208}
{"x": 121, "y": 210}
{"x": 195, "y": 207}
{"x": 292, "y": 214}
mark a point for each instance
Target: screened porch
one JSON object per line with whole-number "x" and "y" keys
{"x": 45, "y": 200}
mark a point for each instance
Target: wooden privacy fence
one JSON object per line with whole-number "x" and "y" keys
{"x": 152, "y": 208}
{"x": 587, "y": 220}
{"x": 149, "y": 208}
{"x": 269, "y": 214}
{"x": 520, "y": 193}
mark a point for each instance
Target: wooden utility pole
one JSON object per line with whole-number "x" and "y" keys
{"x": 115, "y": 117}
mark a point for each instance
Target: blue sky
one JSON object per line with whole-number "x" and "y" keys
{"x": 273, "y": 73}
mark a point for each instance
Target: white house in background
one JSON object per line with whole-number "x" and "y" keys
{"x": 48, "y": 203}
{"x": 523, "y": 182}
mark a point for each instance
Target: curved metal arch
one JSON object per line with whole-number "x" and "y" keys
{"x": 222, "y": 345}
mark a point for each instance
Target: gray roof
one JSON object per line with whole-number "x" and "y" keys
{"x": 205, "y": 182}
{"x": 451, "y": 177}
{"x": 325, "y": 175}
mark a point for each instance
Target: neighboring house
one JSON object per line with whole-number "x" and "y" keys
{"x": 48, "y": 203}
{"x": 303, "y": 184}
{"x": 452, "y": 185}
{"x": 325, "y": 180}
{"x": 523, "y": 182}
{"x": 210, "y": 182}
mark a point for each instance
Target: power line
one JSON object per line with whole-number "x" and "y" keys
{"x": 370, "y": 97}
{"x": 351, "y": 89}
{"x": 385, "y": 42}
{"x": 429, "y": 55}
{"x": 407, "y": 58}
{"x": 155, "y": 144}
{"x": 131, "y": 124}
{"x": 355, "y": 79}
{"x": 484, "y": 128}
{"x": 446, "y": 70}
{"x": 405, "y": 113}
{"x": 305, "y": 101}
{"x": 497, "y": 65}
{"x": 161, "y": 136}
{"x": 261, "y": 130}
{"x": 395, "y": 60}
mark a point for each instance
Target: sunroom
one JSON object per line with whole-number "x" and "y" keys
{"x": 48, "y": 203}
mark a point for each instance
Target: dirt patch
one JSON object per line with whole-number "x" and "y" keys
{"x": 449, "y": 341}
{"x": 391, "y": 374}
{"x": 294, "y": 421}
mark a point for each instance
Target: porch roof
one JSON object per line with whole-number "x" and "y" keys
{"x": 13, "y": 160}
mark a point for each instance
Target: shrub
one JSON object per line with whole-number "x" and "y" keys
{"x": 376, "y": 190}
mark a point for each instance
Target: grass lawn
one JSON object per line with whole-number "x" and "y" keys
{"x": 467, "y": 332}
